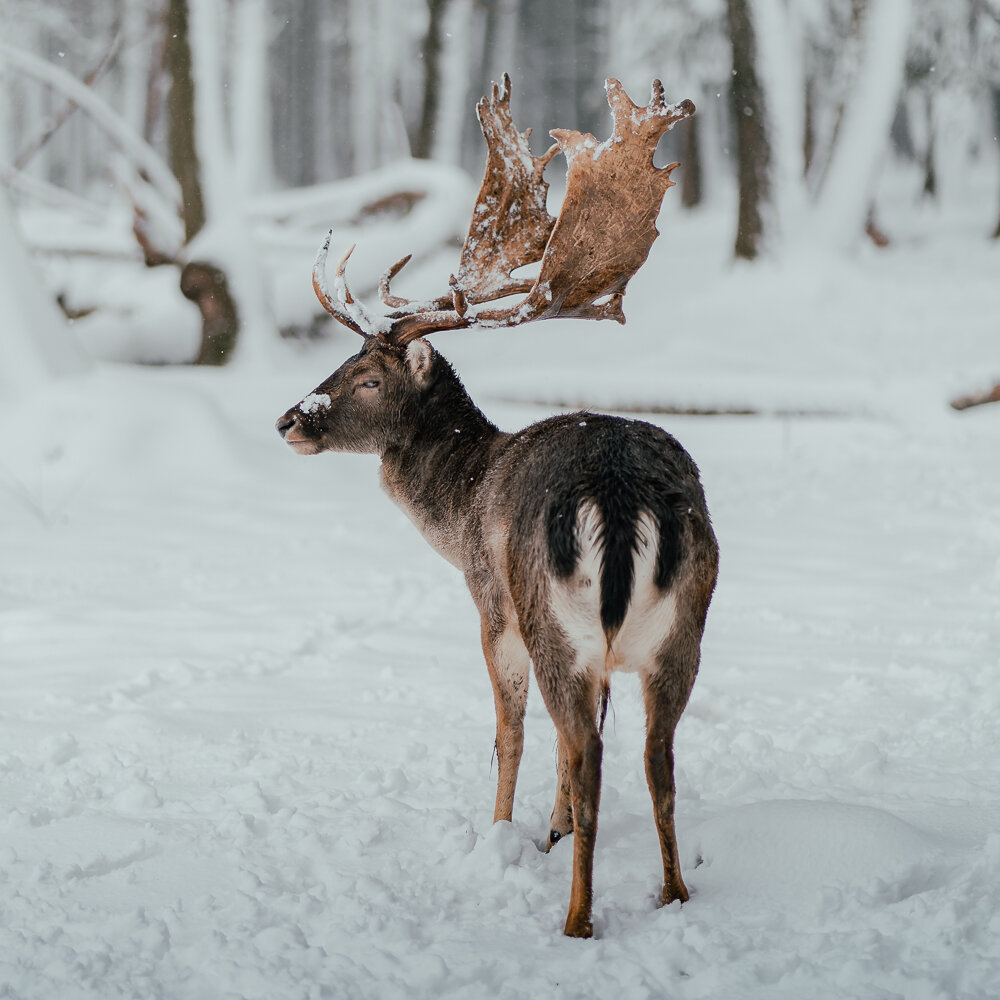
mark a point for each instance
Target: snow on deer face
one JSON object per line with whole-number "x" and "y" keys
{"x": 364, "y": 405}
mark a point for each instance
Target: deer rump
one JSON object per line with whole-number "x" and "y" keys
{"x": 606, "y": 496}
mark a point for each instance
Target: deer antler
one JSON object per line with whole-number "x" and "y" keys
{"x": 510, "y": 223}
{"x": 334, "y": 305}
{"x": 613, "y": 194}
{"x": 601, "y": 238}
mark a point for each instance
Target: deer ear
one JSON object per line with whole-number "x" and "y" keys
{"x": 419, "y": 356}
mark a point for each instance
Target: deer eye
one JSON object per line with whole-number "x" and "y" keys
{"x": 369, "y": 384}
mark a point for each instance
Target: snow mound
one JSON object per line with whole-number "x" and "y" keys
{"x": 798, "y": 849}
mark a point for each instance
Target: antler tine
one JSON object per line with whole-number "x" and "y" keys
{"x": 401, "y": 306}
{"x": 393, "y": 301}
{"x": 354, "y": 308}
{"x": 650, "y": 121}
{"x": 331, "y": 304}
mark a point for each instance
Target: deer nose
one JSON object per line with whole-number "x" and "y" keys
{"x": 286, "y": 423}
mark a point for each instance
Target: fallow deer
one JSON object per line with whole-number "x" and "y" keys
{"x": 584, "y": 539}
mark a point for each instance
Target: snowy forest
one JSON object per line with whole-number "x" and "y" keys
{"x": 245, "y": 727}
{"x": 219, "y": 138}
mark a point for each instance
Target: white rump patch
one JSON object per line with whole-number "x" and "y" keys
{"x": 576, "y": 602}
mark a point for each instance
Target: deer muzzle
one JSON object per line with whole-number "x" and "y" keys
{"x": 290, "y": 428}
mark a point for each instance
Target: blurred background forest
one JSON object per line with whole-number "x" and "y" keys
{"x": 151, "y": 148}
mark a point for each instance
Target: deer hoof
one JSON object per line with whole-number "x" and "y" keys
{"x": 579, "y": 928}
{"x": 674, "y": 892}
{"x": 554, "y": 837}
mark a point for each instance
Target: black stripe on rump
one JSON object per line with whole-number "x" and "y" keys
{"x": 613, "y": 476}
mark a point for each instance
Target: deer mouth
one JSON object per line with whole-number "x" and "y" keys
{"x": 301, "y": 445}
{"x": 290, "y": 429}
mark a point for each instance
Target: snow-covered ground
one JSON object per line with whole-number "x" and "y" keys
{"x": 246, "y": 731}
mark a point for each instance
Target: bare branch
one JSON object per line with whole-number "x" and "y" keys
{"x": 33, "y": 145}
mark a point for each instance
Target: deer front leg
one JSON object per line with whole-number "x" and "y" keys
{"x": 508, "y": 664}
{"x": 561, "y": 821}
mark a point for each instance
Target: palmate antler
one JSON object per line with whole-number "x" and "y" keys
{"x": 602, "y": 236}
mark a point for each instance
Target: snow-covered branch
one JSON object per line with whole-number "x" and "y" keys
{"x": 132, "y": 144}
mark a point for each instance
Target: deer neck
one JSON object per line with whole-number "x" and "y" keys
{"x": 434, "y": 473}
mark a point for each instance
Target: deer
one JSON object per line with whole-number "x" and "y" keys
{"x": 584, "y": 539}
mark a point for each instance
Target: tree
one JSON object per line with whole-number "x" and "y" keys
{"x": 778, "y": 118}
{"x": 753, "y": 147}
{"x": 220, "y": 271}
{"x": 985, "y": 28}
{"x": 423, "y": 144}
{"x": 202, "y": 281}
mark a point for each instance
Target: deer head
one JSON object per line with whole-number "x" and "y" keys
{"x": 368, "y": 404}
{"x": 601, "y": 237}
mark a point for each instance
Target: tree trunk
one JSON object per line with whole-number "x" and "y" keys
{"x": 251, "y": 106}
{"x": 809, "y": 126}
{"x": 201, "y": 281}
{"x": 691, "y": 178}
{"x": 423, "y": 144}
{"x": 455, "y": 73}
{"x": 930, "y": 164}
{"x": 753, "y": 148}
{"x": 494, "y": 54}
{"x": 995, "y": 93}
{"x": 863, "y": 136}
{"x": 205, "y": 285}
{"x": 180, "y": 118}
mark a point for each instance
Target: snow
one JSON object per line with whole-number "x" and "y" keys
{"x": 315, "y": 401}
{"x": 35, "y": 340}
{"x": 246, "y": 731}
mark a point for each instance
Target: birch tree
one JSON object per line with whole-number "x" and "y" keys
{"x": 828, "y": 207}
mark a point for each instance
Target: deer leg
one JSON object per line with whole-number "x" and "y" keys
{"x": 561, "y": 821}
{"x": 583, "y": 753}
{"x": 570, "y": 701}
{"x": 508, "y": 664}
{"x": 666, "y": 692}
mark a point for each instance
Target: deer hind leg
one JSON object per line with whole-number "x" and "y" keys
{"x": 666, "y": 691}
{"x": 508, "y": 664}
{"x": 561, "y": 821}
{"x": 570, "y": 697}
